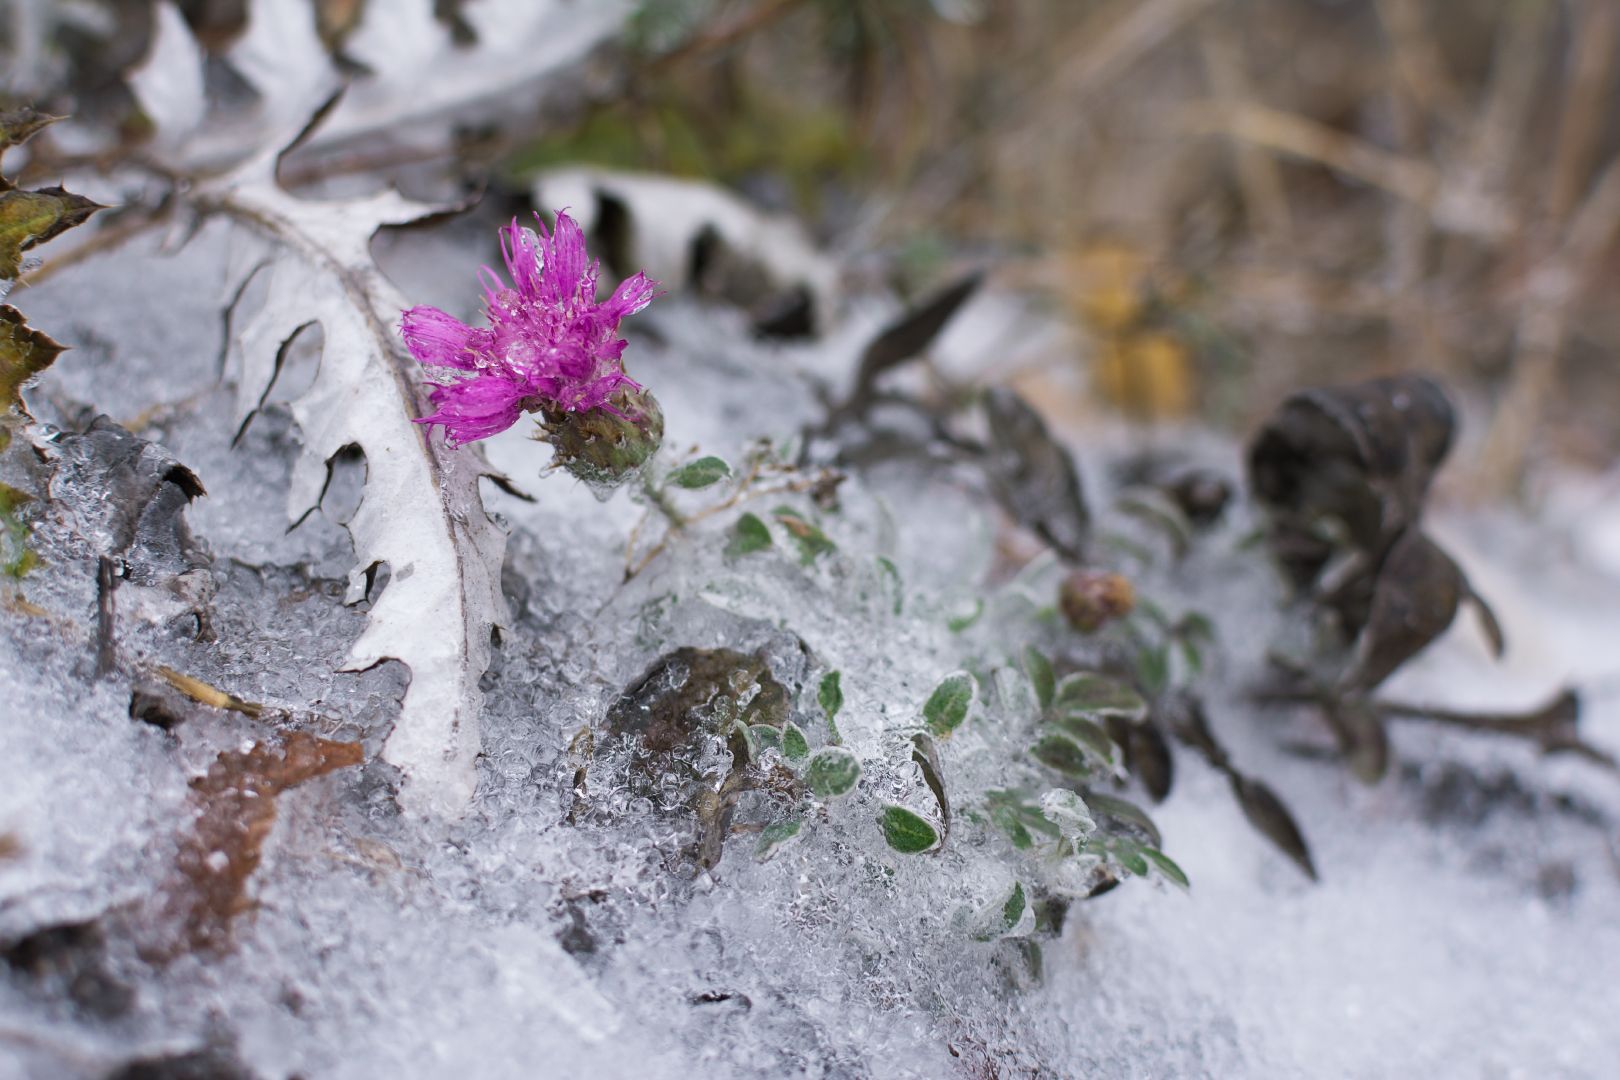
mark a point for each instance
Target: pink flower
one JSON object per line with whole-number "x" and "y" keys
{"x": 549, "y": 343}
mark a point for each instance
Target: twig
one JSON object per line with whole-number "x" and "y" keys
{"x": 1405, "y": 177}
{"x": 1113, "y": 40}
{"x": 1259, "y": 180}
{"x": 1587, "y": 98}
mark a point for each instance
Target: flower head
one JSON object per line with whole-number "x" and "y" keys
{"x": 549, "y": 344}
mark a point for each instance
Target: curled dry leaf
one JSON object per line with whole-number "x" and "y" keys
{"x": 1347, "y": 468}
{"x": 1035, "y": 478}
{"x": 236, "y": 807}
{"x": 1271, "y": 818}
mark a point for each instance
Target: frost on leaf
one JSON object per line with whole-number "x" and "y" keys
{"x": 421, "y": 513}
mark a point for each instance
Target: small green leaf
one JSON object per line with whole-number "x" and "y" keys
{"x": 1013, "y": 909}
{"x": 905, "y": 831}
{"x": 1089, "y": 735}
{"x": 1098, "y": 696}
{"x": 774, "y": 836}
{"x": 766, "y": 737}
{"x": 794, "y": 745}
{"x": 1166, "y": 866}
{"x": 1063, "y": 754}
{"x": 947, "y": 706}
{"x": 1121, "y": 810}
{"x": 830, "y": 695}
{"x": 700, "y": 473}
{"x": 16, "y": 557}
{"x": 1006, "y": 919}
{"x": 833, "y": 771}
{"x": 812, "y": 542}
{"x": 1153, "y": 669}
{"x": 1130, "y": 857}
{"x": 958, "y": 623}
{"x": 1039, "y": 669}
{"x": 749, "y": 535}
{"x": 1006, "y": 819}
{"x": 892, "y": 573}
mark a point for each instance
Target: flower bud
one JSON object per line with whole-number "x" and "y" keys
{"x": 1090, "y": 598}
{"x": 607, "y": 445}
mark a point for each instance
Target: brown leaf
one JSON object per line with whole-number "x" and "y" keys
{"x": 1271, "y": 818}
{"x": 1035, "y": 478}
{"x": 236, "y": 802}
{"x": 1415, "y": 598}
{"x": 909, "y": 336}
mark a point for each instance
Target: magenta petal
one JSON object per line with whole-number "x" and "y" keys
{"x": 564, "y": 252}
{"x": 437, "y": 339}
{"x": 634, "y": 293}
{"x": 476, "y": 408}
{"x": 522, "y": 253}
{"x": 549, "y": 343}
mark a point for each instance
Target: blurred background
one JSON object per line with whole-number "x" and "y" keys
{"x": 1221, "y": 200}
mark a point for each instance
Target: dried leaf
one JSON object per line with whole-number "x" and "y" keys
{"x": 925, "y": 755}
{"x": 19, "y": 125}
{"x": 1271, "y": 818}
{"x": 1035, "y": 478}
{"x": 236, "y": 802}
{"x": 1359, "y": 456}
{"x": 204, "y": 694}
{"x": 907, "y": 337}
{"x": 1415, "y": 598}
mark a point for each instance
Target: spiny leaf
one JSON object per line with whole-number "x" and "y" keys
{"x": 701, "y": 473}
{"x": 24, "y": 353}
{"x": 29, "y": 218}
{"x": 906, "y": 832}
{"x": 948, "y": 705}
{"x": 422, "y": 511}
{"x": 19, "y": 125}
{"x": 749, "y": 535}
{"x": 833, "y": 771}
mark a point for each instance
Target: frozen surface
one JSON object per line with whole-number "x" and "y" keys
{"x": 1464, "y": 925}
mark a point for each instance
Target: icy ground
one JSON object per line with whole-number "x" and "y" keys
{"x": 1464, "y": 925}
